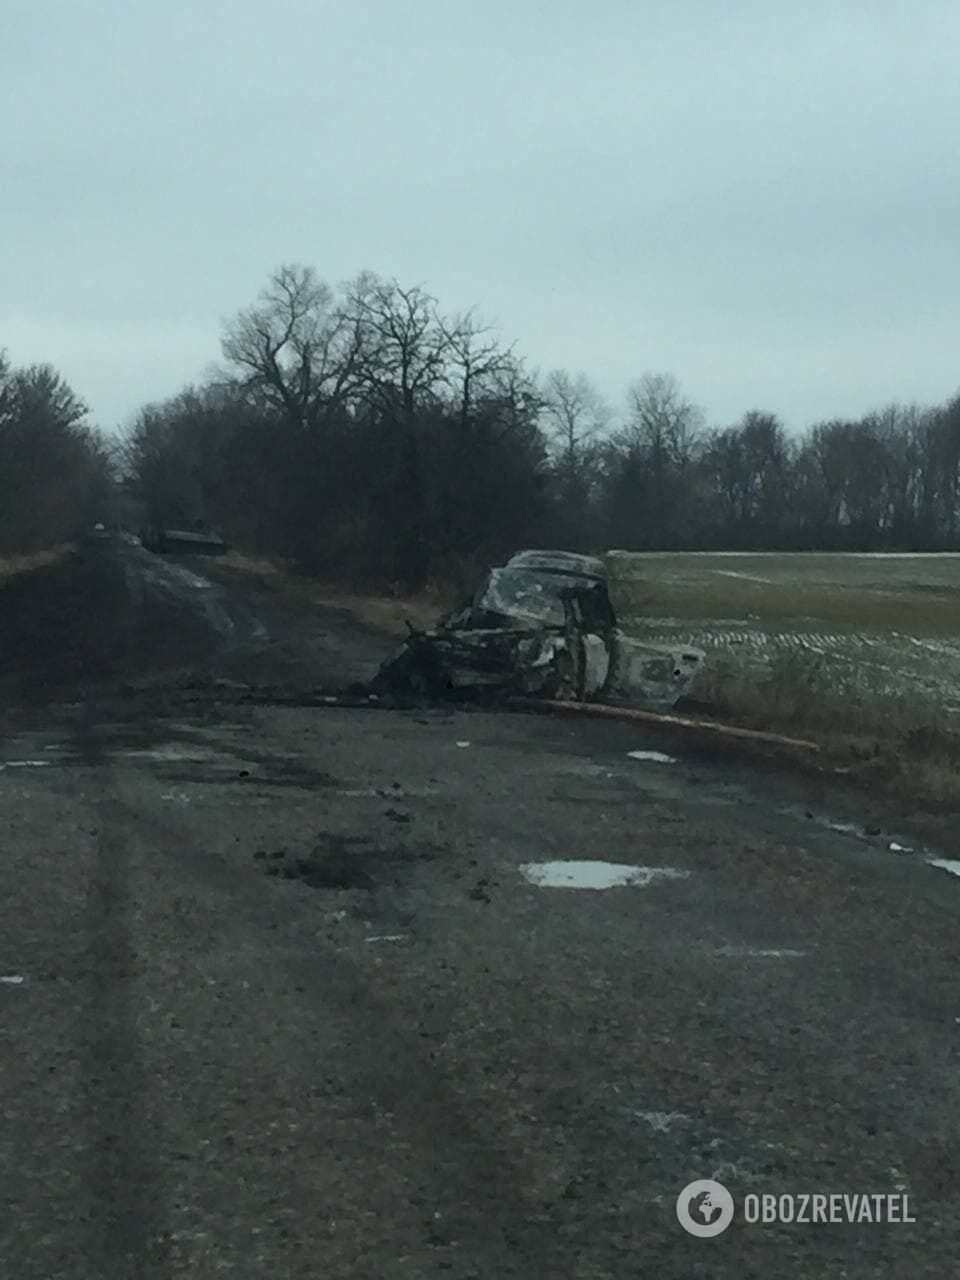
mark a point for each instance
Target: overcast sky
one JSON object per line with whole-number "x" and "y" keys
{"x": 762, "y": 198}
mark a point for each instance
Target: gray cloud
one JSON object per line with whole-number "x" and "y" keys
{"x": 761, "y": 197}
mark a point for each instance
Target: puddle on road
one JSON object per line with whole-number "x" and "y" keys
{"x": 658, "y": 757}
{"x": 946, "y": 864}
{"x": 595, "y": 875}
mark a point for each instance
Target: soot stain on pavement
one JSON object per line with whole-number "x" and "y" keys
{"x": 341, "y": 862}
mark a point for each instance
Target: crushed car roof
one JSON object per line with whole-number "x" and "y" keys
{"x": 566, "y": 562}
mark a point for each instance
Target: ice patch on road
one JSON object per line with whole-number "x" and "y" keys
{"x": 595, "y": 875}
{"x": 946, "y": 864}
{"x": 659, "y": 757}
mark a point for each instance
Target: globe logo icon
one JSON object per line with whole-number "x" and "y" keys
{"x": 705, "y": 1208}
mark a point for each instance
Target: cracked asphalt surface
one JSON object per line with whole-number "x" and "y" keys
{"x": 279, "y": 1000}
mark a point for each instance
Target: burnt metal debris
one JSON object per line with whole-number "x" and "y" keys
{"x": 541, "y": 625}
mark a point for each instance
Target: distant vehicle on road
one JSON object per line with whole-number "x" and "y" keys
{"x": 198, "y": 539}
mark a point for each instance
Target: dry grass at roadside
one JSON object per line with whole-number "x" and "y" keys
{"x": 857, "y": 653}
{"x": 388, "y": 614}
{"x": 12, "y": 563}
{"x": 906, "y": 742}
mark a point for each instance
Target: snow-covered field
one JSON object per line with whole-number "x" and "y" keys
{"x": 878, "y": 629}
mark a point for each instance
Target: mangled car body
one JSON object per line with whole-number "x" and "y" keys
{"x": 542, "y": 625}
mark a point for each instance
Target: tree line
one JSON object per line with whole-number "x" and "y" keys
{"x": 366, "y": 436}
{"x": 55, "y": 468}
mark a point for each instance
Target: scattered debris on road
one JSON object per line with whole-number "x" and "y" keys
{"x": 542, "y": 625}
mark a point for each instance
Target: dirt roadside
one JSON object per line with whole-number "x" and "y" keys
{"x": 297, "y": 1009}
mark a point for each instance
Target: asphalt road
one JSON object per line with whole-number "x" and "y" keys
{"x": 281, "y": 996}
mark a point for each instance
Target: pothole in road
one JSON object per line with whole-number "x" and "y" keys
{"x": 596, "y": 875}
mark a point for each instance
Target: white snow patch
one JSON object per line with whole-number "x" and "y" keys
{"x": 662, "y": 1121}
{"x": 750, "y": 577}
{"x": 463, "y": 744}
{"x": 785, "y": 953}
{"x": 164, "y": 573}
{"x": 387, "y": 937}
{"x": 898, "y": 848}
{"x": 947, "y": 864}
{"x": 595, "y": 875}
{"x": 659, "y": 757}
{"x": 12, "y": 979}
{"x": 25, "y": 764}
{"x": 846, "y": 828}
{"x": 175, "y": 755}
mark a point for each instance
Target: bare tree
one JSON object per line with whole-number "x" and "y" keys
{"x": 663, "y": 420}
{"x": 660, "y": 442}
{"x": 402, "y": 371}
{"x": 576, "y": 414}
{"x": 296, "y": 349}
{"x": 402, "y": 345}
{"x": 477, "y": 360}
{"x": 54, "y": 468}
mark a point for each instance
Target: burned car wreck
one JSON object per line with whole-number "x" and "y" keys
{"x": 541, "y": 625}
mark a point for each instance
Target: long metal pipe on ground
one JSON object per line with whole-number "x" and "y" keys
{"x": 666, "y": 720}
